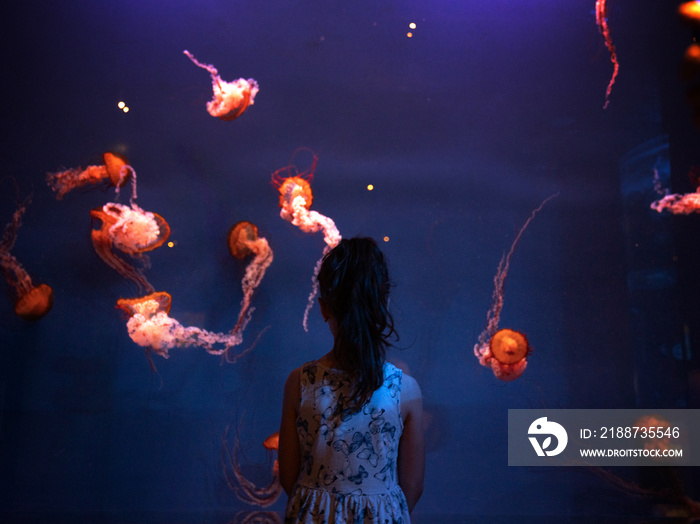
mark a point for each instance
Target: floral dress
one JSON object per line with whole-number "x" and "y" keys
{"x": 348, "y": 460}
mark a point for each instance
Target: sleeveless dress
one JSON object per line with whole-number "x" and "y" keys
{"x": 348, "y": 460}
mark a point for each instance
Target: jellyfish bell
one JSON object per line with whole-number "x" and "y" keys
{"x": 131, "y": 229}
{"x": 273, "y": 441}
{"x": 149, "y": 324}
{"x": 240, "y": 237}
{"x": 114, "y": 163}
{"x": 509, "y": 346}
{"x": 506, "y": 354}
{"x": 231, "y": 99}
{"x": 689, "y": 13}
{"x": 292, "y": 183}
{"x": 35, "y": 304}
{"x": 292, "y": 187}
{"x": 148, "y": 306}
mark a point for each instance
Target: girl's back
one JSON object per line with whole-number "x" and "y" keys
{"x": 348, "y": 458}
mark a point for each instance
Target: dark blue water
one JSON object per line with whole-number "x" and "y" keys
{"x": 462, "y": 129}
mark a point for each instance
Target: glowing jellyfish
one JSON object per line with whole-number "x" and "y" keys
{"x": 505, "y": 351}
{"x": 130, "y": 230}
{"x": 111, "y": 170}
{"x": 31, "y": 302}
{"x": 601, "y": 18}
{"x": 295, "y": 203}
{"x": 246, "y": 490}
{"x": 243, "y": 241}
{"x": 231, "y": 99}
{"x": 151, "y": 327}
{"x": 676, "y": 204}
{"x": 689, "y": 13}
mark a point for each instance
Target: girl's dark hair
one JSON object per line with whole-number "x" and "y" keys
{"x": 354, "y": 286}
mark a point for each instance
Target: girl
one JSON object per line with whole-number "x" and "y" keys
{"x": 351, "y": 439}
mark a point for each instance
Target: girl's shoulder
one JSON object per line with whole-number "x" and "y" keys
{"x": 410, "y": 390}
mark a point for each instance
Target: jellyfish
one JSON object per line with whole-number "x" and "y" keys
{"x": 675, "y": 203}
{"x": 246, "y": 490}
{"x": 111, "y": 170}
{"x": 32, "y": 301}
{"x": 505, "y": 351}
{"x": 231, "y": 99}
{"x": 295, "y": 203}
{"x": 601, "y": 18}
{"x": 243, "y": 240}
{"x": 130, "y": 230}
{"x": 678, "y": 204}
{"x": 150, "y": 326}
{"x": 689, "y": 13}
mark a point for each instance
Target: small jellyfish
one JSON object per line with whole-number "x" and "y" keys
{"x": 505, "y": 351}
{"x": 246, "y": 490}
{"x": 31, "y": 301}
{"x": 601, "y": 18}
{"x": 231, "y": 99}
{"x": 151, "y": 327}
{"x": 112, "y": 170}
{"x": 130, "y": 230}
{"x": 243, "y": 240}
{"x": 689, "y": 13}
{"x": 295, "y": 202}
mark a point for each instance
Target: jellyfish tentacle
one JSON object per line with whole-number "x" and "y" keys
{"x": 246, "y": 490}
{"x": 601, "y": 17}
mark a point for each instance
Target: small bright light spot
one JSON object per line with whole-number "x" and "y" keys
{"x": 370, "y": 187}
{"x": 125, "y": 109}
{"x": 171, "y": 244}
{"x": 412, "y": 25}
{"x": 409, "y": 34}
{"x": 121, "y": 105}
{"x": 386, "y": 239}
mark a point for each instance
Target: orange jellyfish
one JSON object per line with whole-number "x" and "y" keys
{"x": 31, "y": 302}
{"x": 231, "y": 99}
{"x": 151, "y": 327}
{"x": 295, "y": 203}
{"x": 112, "y": 170}
{"x": 677, "y": 204}
{"x": 246, "y": 490}
{"x": 243, "y": 240}
{"x": 505, "y": 351}
{"x": 130, "y": 230}
{"x": 601, "y": 18}
{"x": 689, "y": 13}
